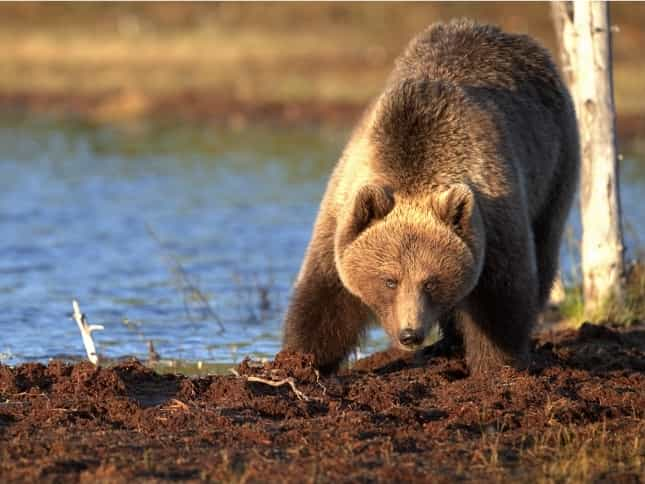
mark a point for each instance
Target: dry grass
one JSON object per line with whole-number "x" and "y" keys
{"x": 255, "y": 53}
{"x": 567, "y": 454}
{"x": 632, "y": 308}
{"x": 628, "y": 311}
{"x": 247, "y": 63}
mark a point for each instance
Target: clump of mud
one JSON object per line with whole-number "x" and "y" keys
{"x": 287, "y": 364}
{"x": 393, "y": 416}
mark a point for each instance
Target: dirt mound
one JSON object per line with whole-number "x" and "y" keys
{"x": 577, "y": 413}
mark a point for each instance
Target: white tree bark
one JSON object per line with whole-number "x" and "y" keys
{"x": 562, "y": 13}
{"x": 586, "y": 47}
{"x": 602, "y": 240}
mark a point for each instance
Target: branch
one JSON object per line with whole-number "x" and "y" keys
{"x": 185, "y": 284}
{"x": 286, "y": 381}
{"x": 86, "y": 332}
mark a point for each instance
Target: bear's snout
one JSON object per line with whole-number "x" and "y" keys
{"x": 411, "y": 337}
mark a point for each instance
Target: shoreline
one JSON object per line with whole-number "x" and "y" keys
{"x": 208, "y": 107}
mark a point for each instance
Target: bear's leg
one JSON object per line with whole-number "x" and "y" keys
{"x": 549, "y": 227}
{"x": 497, "y": 318}
{"x": 323, "y": 317}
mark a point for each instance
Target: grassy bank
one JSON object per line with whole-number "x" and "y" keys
{"x": 294, "y": 61}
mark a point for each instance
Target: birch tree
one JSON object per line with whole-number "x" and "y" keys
{"x": 585, "y": 44}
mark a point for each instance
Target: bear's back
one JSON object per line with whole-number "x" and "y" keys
{"x": 480, "y": 56}
{"x": 466, "y": 103}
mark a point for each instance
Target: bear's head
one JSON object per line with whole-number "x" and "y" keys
{"x": 410, "y": 260}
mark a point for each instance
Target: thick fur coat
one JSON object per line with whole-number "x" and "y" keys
{"x": 447, "y": 205}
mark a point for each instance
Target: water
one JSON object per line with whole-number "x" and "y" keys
{"x": 144, "y": 223}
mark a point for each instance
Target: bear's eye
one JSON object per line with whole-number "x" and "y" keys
{"x": 390, "y": 283}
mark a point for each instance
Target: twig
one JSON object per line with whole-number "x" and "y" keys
{"x": 324, "y": 388}
{"x": 174, "y": 403}
{"x": 286, "y": 381}
{"x": 153, "y": 356}
{"x": 86, "y": 332}
{"x": 186, "y": 285}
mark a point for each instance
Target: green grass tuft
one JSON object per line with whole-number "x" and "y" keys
{"x": 572, "y": 308}
{"x": 629, "y": 310}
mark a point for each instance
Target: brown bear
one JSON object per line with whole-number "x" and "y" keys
{"x": 447, "y": 206}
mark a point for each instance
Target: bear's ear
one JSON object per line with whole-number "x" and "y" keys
{"x": 372, "y": 202}
{"x": 455, "y": 206}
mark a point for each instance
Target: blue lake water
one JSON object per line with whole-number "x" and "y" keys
{"x": 142, "y": 224}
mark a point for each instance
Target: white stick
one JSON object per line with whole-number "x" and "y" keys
{"x": 86, "y": 333}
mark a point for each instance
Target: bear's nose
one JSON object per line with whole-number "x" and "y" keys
{"x": 410, "y": 337}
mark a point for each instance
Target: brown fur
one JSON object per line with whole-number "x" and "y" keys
{"x": 454, "y": 190}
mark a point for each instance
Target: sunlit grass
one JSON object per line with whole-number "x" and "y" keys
{"x": 565, "y": 454}
{"x": 191, "y": 368}
{"x": 136, "y": 54}
{"x": 572, "y": 309}
{"x": 629, "y": 310}
{"x": 574, "y": 455}
{"x": 244, "y": 64}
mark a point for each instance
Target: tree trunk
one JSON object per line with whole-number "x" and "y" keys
{"x": 562, "y": 13}
{"x": 586, "y": 46}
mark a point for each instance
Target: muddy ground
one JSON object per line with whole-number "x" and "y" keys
{"x": 576, "y": 415}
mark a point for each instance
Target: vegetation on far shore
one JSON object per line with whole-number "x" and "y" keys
{"x": 115, "y": 61}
